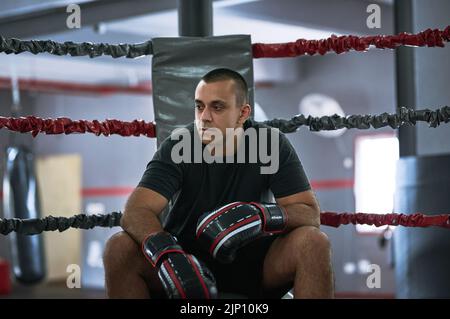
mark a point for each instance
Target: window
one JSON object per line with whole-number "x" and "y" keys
{"x": 375, "y": 167}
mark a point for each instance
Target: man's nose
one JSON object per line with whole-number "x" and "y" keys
{"x": 206, "y": 115}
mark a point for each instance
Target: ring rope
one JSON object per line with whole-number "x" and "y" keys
{"x": 429, "y": 38}
{"x": 341, "y": 44}
{"x": 405, "y": 116}
{"x": 346, "y": 43}
{"x": 17, "y": 46}
{"x": 63, "y": 125}
{"x": 82, "y": 221}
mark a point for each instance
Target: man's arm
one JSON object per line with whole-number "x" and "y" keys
{"x": 302, "y": 209}
{"x": 181, "y": 275}
{"x": 141, "y": 213}
{"x": 228, "y": 228}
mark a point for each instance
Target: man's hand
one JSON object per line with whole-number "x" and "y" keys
{"x": 228, "y": 228}
{"x": 182, "y": 275}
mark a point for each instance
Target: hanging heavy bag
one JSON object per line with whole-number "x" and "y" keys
{"x": 21, "y": 200}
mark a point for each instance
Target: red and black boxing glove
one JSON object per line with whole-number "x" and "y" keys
{"x": 183, "y": 276}
{"x": 225, "y": 230}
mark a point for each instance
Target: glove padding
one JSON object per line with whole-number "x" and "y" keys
{"x": 229, "y": 228}
{"x": 182, "y": 275}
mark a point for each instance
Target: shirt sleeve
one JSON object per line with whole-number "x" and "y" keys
{"x": 163, "y": 175}
{"x": 290, "y": 177}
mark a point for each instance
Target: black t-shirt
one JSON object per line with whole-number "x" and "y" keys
{"x": 202, "y": 187}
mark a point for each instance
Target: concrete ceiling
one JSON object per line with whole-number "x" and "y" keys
{"x": 133, "y": 21}
{"x": 24, "y": 19}
{"x": 20, "y": 7}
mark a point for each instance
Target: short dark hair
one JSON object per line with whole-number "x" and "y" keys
{"x": 223, "y": 74}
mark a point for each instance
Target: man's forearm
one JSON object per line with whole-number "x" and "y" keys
{"x": 139, "y": 223}
{"x": 302, "y": 215}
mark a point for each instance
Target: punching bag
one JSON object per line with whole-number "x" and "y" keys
{"x": 422, "y": 259}
{"x": 21, "y": 200}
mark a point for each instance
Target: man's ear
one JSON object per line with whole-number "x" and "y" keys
{"x": 246, "y": 110}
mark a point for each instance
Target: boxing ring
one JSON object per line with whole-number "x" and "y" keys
{"x": 170, "y": 113}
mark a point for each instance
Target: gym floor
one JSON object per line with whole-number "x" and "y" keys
{"x": 53, "y": 290}
{"x": 59, "y": 290}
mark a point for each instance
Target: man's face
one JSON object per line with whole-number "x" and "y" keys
{"x": 216, "y": 107}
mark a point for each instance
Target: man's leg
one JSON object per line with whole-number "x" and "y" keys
{"x": 127, "y": 273}
{"x": 302, "y": 257}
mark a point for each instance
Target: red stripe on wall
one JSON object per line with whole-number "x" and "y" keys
{"x": 74, "y": 87}
{"x": 107, "y": 191}
{"x": 49, "y": 86}
{"x": 125, "y": 191}
{"x": 332, "y": 184}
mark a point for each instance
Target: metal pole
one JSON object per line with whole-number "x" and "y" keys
{"x": 195, "y": 18}
{"x": 405, "y": 75}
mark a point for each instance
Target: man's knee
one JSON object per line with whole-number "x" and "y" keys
{"x": 310, "y": 240}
